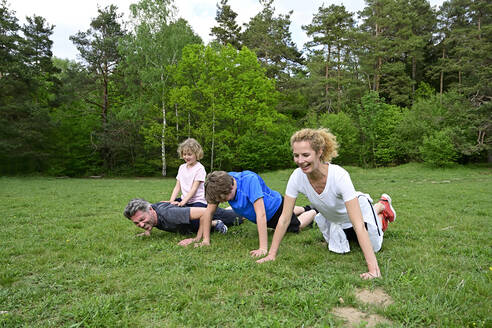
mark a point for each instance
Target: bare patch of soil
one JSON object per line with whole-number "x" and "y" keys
{"x": 374, "y": 297}
{"x": 354, "y": 317}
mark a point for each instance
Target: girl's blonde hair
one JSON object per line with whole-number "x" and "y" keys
{"x": 192, "y": 146}
{"x": 319, "y": 139}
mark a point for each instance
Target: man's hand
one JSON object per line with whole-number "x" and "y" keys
{"x": 145, "y": 233}
{"x": 267, "y": 258}
{"x": 258, "y": 252}
{"x": 186, "y": 242}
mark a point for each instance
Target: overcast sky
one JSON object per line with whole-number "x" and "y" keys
{"x": 71, "y": 16}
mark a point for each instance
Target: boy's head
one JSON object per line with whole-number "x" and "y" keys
{"x": 218, "y": 187}
{"x": 192, "y": 146}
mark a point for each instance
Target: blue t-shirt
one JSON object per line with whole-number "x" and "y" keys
{"x": 250, "y": 187}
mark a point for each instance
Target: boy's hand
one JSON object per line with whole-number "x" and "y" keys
{"x": 181, "y": 203}
{"x": 203, "y": 243}
{"x": 266, "y": 259}
{"x": 186, "y": 242}
{"x": 258, "y": 252}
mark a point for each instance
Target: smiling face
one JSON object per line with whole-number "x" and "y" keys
{"x": 145, "y": 220}
{"x": 306, "y": 157}
{"x": 189, "y": 157}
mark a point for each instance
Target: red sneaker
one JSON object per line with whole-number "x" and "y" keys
{"x": 384, "y": 222}
{"x": 388, "y": 212}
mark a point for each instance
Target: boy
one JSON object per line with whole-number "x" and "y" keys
{"x": 250, "y": 197}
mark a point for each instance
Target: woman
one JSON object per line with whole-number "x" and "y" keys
{"x": 343, "y": 212}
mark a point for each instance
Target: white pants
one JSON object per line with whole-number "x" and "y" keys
{"x": 335, "y": 236}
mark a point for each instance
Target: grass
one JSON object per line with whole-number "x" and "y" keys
{"x": 68, "y": 258}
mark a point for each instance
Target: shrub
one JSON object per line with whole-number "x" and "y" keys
{"x": 438, "y": 150}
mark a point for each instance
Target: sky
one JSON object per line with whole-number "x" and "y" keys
{"x": 72, "y": 16}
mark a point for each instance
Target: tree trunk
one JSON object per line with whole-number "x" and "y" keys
{"x": 339, "y": 89}
{"x": 163, "y": 135}
{"x": 414, "y": 73}
{"x": 163, "y": 139}
{"x": 177, "y": 123}
{"x": 213, "y": 137}
{"x": 327, "y": 76}
{"x": 441, "y": 82}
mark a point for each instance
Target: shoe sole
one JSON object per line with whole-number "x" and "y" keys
{"x": 391, "y": 206}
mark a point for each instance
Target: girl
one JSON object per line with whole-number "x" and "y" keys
{"x": 190, "y": 179}
{"x": 191, "y": 176}
{"x": 343, "y": 212}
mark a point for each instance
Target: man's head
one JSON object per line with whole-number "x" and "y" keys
{"x": 219, "y": 187}
{"x": 141, "y": 213}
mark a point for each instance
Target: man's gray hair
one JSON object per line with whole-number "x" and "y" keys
{"x": 136, "y": 204}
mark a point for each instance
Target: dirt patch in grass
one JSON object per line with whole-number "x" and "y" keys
{"x": 374, "y": 297}
{"x": 354, "y": 317}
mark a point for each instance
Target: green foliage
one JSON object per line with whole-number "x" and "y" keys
{"x": 438, "y": 150}
{"x": 229, "y": 104}
{"x": 342, "y": 126}
{"x": 227, "y": 31}
{"x": 379, "y": 124}
{"x": 463, "y": 122}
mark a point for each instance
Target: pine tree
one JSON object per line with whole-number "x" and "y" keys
{"x": 227, "y": 32}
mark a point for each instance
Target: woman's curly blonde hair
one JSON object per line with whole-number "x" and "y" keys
{"x": 319, "y": 139}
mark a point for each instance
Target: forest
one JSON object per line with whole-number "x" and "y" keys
{"x": 398, "y": 82}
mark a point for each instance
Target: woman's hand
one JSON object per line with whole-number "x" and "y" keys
{"x": 267, "y": 258}
{"x": 258, "y": 252}
{"x": 371, "y": 275}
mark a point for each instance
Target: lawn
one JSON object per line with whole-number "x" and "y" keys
{"x": 68, "y": 258}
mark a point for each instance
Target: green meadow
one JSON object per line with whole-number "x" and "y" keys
{"x": 68, "y": 258}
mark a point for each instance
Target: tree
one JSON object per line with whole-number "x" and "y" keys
{"x": 227, "y": 32}
{"x": 269, "y": 37}
{"x": 154, "y": 45}
{"x": 25, "y": 95}
{"x": 332, "y": 31}
{"x": 231, "y": 103}
{"x": 98, "y": 47}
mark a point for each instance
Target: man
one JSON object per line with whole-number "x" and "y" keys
{"x": 168, "y": 217}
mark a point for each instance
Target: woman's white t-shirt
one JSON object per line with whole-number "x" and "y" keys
{"x": 333, "y": 217}
{"x": 331, "y": 202}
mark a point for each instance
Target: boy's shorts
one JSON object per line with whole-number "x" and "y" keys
{"x": 294, "y": 221}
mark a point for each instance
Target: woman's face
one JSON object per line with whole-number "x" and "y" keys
{"x": 305, "y": 157}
